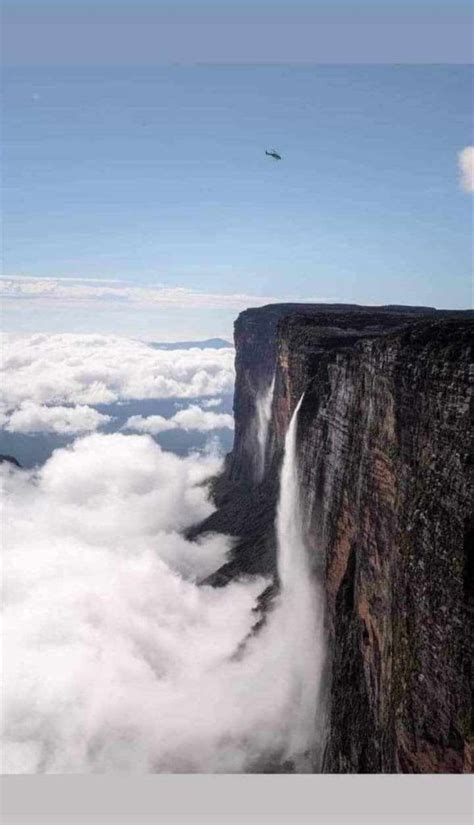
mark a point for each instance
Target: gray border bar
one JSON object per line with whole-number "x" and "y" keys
{"x": 138, "y": 44}
{"x": 271, "y": 799}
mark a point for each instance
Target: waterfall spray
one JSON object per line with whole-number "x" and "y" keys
{"x": 302, "y": 609}
{"x": 264, "y": 409}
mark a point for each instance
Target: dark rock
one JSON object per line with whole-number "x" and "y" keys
{"x": 10, "y": 460}
{"x": 386, "y": 474}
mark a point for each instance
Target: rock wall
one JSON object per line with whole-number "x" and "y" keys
{"x": 386, "y": 466}
{"x": 386, "y": 476}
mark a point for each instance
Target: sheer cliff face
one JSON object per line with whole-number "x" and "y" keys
{"x": 386, "y": 468}
{"x": 385, "y": 473}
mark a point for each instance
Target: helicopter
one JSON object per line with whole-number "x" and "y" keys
{"x": 273, "y": 154}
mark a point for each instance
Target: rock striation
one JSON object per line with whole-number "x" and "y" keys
{"x": 386, "y": 480}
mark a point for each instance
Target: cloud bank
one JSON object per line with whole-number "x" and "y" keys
{"x": 466, "y": 168}
{"x": 192, "y": 418}
{"x": 115, "y": 659}
{"x": 79, "y": 290}
{"x": 70, "y": 369}
{"x": 31, "y": 417}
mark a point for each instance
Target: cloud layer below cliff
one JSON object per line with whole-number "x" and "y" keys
{"x": 192, "y": 418}
{"x": 30, "y": 417}
{"x": 50, "y": 383}
{"x": 100, "y": 369}
{"x": 114, "y": 659}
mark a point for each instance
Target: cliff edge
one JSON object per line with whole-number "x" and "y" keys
{"x": 386, "y": 478}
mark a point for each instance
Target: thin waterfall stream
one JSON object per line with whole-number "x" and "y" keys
{"x": 263, "y": 409}
{"x": 302, "y": 607}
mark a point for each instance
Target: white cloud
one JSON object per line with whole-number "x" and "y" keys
{"x": 466, "y": 167}
{"x": 152, "y": 424}
{"x": 192, "y": 418}
{"x": 31, "y": 417}
{"x": 80, "y": 291}
{"x": 94, "y": 369}
{"x": 211, "y": 402}
{"x": 115, "y": 660}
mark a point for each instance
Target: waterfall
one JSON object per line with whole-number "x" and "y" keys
{"x": 264, "y": 410}
{"x": 302, "y": 607}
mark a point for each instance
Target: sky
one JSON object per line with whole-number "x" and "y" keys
{"x": 154, "y": 182}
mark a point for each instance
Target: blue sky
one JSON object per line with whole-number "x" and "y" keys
{"x": 158, "y": 178}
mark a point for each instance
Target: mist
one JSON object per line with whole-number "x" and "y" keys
{"x": 115, "y": 658}
{"x": 263, "y": 402}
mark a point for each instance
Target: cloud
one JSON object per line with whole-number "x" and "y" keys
{"x": 195, "y": 418}
{"x": 152, "y": 424}
{"x": 102, "y": 619}
{"x": 115, "y": 659}
{"x": 192, "y": 418}
{"x": 211, "y": 402}
{"x": 79, "y": 290}
{"x": 61, "y": 369}
{"x": 31, "y": 417}
{"x": 466, "y": 167}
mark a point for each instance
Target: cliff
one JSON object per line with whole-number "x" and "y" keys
{"x": 386, "y": 479}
